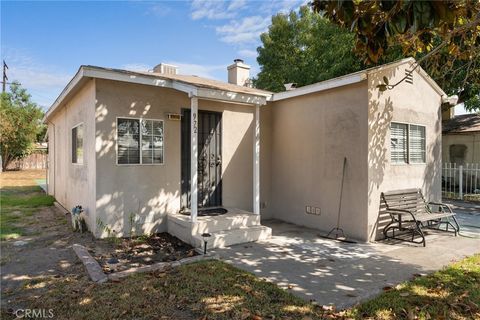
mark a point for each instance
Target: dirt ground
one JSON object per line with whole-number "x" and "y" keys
{"x": 44, "y": 247}
{"x": 22, "y": 178}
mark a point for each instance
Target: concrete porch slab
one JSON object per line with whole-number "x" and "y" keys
{"x": 342, "y": 274}
{"x": 235, "y": 227}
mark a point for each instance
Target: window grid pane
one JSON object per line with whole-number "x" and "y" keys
{"x": 128, "y": 143}
{"x": 140, "y": 141}
{"x": 417, "y": 144}
{"x": 398, "y": 142}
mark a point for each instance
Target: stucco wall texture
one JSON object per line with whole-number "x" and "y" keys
{"x": 469, "y": 140}
{"x": 303, "y": 143}
{"x": 74, "y": 184}
{"x": 150, "y": 192}
{"x": 416, "y": 103}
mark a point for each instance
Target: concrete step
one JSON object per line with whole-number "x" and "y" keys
{"x": 229, "y": 221}
{"x": 240, "y": 235}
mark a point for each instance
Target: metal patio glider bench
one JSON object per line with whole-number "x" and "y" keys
{"x": 410, "y": 213}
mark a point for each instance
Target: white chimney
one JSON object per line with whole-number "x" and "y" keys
{"x": 165, "y": 68}
{"x": 238, "y": 73}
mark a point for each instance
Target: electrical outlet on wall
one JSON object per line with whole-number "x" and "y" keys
{"x": 317, "y": 211}
{"x": 308, "y": 209}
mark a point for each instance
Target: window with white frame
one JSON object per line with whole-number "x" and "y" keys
{"x": 416, "y": 144}
{"x": 407, "y": 143}
{"x": 139, "y": 141}
{"x": 77, "y": 144}
{"x": 398, "y": 143}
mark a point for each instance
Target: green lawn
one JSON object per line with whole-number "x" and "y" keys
{"x": 216, "y": 290}
{"x": 451, "y": 293}
{"x": 17, "y": 203}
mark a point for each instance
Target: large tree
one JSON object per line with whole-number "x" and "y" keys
{"x": 303, "y": 48}
{"x": 20, "y": 122}
{"x": 444, "y": 36}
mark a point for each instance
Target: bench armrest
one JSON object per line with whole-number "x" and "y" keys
{"x": 441, "y": 205}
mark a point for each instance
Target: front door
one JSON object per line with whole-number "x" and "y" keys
{"x": 209, "y": 159}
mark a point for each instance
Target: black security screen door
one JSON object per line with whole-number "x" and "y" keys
{"x": 209, "y": 159}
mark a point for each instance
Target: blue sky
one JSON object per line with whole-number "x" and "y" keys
{"x": 44, "y": 43}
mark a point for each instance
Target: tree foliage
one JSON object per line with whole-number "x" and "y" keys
{"x": 294, "y": 50}
{"x": 444, "y": 36}
{"x": 20, "y": 122}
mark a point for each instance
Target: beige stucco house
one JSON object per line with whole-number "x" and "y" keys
{"x": 461, "y": 139}
{"x": 137, "y": 148}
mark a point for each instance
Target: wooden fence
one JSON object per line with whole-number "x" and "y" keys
{"x": 36, "y": 160}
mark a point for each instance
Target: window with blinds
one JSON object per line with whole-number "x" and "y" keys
{"x": 139, "y": 141}
{"x": 417, "y": 144}
{"x": 399, "y": 143}
{"x": 407, "y": 143}
{"x": 77, "y": 144}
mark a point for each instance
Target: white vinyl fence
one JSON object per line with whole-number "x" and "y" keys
{"x": 461, "y": 181}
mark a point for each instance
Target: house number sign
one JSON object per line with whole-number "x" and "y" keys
{"x": 195, "y": 122}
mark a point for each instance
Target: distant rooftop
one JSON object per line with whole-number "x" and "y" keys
{"x": 464, "y": 123}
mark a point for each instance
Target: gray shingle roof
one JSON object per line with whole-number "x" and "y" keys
{"x": 462, "y": 124}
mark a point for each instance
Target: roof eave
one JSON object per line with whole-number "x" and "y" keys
{"x": 321, "y": 86}
{"x": 192, "y": 90}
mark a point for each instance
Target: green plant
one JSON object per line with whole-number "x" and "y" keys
{"x": 111, "y": 234}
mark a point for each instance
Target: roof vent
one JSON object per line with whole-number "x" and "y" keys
{"x": 290, "y": 86}
{"x": 166, "y": 68}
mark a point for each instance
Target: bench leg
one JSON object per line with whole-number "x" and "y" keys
{"x": 456, "y": 223}
{"x": 416, "y": 230}
{"x": 419, "y": 229}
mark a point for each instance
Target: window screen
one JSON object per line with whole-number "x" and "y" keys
{"x": 417, "y": 144}
{"x": 130, "y": 132}
{"x": 77, "y": 144}
{"x": 398, "y": 143}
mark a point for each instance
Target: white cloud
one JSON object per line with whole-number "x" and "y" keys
{"x": 159, "y": 10}
{"x": 247, "y": 24}
{"x": 237, "y": 4}
{"x": 284, "y": 6}
{"x": 43, "y": 82}
{"x": 245, "y": 30}
{"x": 247, "y": 53}
{"x": 216, "y": 10}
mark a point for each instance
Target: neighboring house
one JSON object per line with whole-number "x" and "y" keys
{"x": 461, "y": 139}
{"x": 121, "y": 144}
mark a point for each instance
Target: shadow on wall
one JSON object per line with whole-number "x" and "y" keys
{"x": 381, "y": 109}
{"x": 432, "y": 176}
{"x": 380, "y": 115}
{"x": 124, "y": 214}
{"x": 237, "y": 176}
{"x": 130, "y": 204}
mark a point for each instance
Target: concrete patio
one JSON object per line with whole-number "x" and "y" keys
{"x": 343, "y": 274}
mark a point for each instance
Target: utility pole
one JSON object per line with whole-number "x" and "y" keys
{"x": 5, "y": 78}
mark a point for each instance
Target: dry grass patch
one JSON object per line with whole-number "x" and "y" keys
{"x": 203, "y": 290}
{"x": 23, "y": 178}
